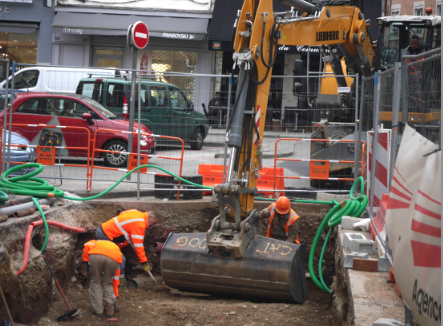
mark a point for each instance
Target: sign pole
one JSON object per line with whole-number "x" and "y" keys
{"x": 132, "y": 102}
{"x": 138, "y": 37}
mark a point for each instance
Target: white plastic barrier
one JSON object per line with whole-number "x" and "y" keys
{"x": 413, "y": 226}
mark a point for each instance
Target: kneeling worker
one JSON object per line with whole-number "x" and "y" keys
{"x": 103, "y": 259}
{"x": 129, "y": 227}
{"x": 283, "y": 222}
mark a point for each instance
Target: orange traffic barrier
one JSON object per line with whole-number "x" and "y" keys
{"x": 46, "y": 154}
{"x": 318, "y": 169}
{"x": 133, "y": 159}
{"x": 213, "y": 174}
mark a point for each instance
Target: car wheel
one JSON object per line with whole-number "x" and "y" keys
{"x": 197, "y": 139}
{"x": 114, "y": 159}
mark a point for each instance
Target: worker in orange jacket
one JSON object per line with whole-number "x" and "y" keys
{"x": 102, "y": 259}
{"x": 129, "y": 227}
{"x": 283, "y": 222}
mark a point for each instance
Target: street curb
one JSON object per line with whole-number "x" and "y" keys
{"x": 287, "y": 154}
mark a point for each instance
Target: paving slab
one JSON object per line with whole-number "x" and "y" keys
{"x": 370, "y": 295}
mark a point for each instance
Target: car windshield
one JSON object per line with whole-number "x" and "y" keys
{"x": 108, "y": 114}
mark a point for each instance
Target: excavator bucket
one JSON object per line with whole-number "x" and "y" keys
{"x": 269, "y": 269}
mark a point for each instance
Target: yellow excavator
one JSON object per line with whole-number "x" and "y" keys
{"x": 232, "y": 257}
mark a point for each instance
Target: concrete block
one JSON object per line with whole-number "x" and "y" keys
{"x": 379, "y": 247}
{"x": 324, "y": 196}
{"x": 383, "y": 264}
{"x": 347, "y": 223}
{"x": 357, "y": 242}
{"x": 365, "y": 265}
{"x": 349, "y": 258}
{"x": 387, "y": 322}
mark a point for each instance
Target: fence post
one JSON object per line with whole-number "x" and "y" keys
{"x": 4, "y": 128}
{"x": 374, "y": 139}
{"x": 10, "y": 114}
{"x": 138, "y": 132}
{"x": 360, "y": 125}
{"x": 228, "y": 115}
{"x": 405, "y": 88}
{"x": 395, "y": 112}
{"x": 356, "y": 128}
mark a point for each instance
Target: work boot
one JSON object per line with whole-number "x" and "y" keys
{"x": 116, "y": 307}
{"x": 97, "y": 314}
{"x": 109, "y": 309}
{"x": 122, "y": 280}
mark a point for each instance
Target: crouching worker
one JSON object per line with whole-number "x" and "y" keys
{"x": 283, "y": 222}
{"x": 129, "y": 227}
{"x": 103, "y": 259}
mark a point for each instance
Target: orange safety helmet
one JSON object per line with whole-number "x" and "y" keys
{"x": 282, "y": 205}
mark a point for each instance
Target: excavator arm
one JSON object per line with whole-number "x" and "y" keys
{"x": 259, "y": 32}
{"x": 232, "y": 257}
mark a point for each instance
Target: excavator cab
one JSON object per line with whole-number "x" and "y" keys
{"x": 395, "y": 35}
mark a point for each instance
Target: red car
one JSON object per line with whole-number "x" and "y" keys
{"x": 76, "y": 111}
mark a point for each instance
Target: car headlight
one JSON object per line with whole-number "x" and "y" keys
{"x": 141, "y": 136}
{"x": 143, "y": 142}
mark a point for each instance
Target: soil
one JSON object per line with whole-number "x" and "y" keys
{"x": 161, "y": 305}
{"x": 33, "y": 294}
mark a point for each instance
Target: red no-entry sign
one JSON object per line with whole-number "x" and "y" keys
{"x": 140, "y": 35}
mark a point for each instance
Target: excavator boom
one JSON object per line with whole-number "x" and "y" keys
{"x": 232, "y": 257}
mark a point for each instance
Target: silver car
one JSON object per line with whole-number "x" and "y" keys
{"x": 17, "y": 153}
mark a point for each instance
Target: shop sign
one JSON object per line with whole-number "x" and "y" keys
{"x": 72, "y": 30}
{"x": 216, "y": 45}
{"x": 17, "y": 1}
{"x": 4, "y": 9}
{"x": 179, "y": 36}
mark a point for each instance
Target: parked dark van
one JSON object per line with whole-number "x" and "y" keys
{"x": 164, "y": 107}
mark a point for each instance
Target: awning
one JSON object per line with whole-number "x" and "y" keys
{"x": 117, "y": 25}
{"x": 222, "y": 25}
{"x": 18, "y": 28}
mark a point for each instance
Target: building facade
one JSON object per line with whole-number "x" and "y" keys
{"x": 25, "y": 37}
{"x": 413, "y": 7}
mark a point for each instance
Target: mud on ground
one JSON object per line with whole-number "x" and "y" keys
{"x": 164, "y": 306}
{"x": 34, "y": 294}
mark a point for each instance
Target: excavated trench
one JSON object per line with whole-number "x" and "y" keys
{"x": 33, "y": 298}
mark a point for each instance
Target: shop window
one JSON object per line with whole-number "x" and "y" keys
{"x": 176, "y": 61}
{"x": 21, "y": 48}
{"x": 108, "y": 58}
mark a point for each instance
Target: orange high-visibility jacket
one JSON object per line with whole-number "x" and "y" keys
{"x": 132, "y": 224}
{"x": 105, "y": 248}
{"x": 291, "y": 220}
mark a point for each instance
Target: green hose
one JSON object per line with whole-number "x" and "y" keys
{"x": 36, "y": 203}
{"x": 314, "y": 246}
{"x": 352, "y": 207}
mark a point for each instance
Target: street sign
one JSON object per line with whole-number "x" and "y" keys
{"x": 140, "y": 35}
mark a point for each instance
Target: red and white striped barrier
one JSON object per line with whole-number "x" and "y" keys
{"x": 382, "y": 153}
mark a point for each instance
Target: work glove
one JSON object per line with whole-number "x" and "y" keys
{"x": 146, "y": 267}
{"x": 87, "y": 267}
